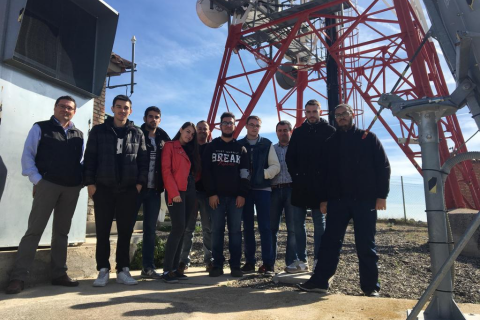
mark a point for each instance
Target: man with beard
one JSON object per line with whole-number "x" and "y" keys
{"x": 225, "y": 177}
{"x": 203, "y": 131}
{"x": 356, "y": 177}
{"x": 155, "y": 138}
{"x": 304, "y": 154}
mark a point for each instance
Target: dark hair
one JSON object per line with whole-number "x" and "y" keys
{"x": 121, "y": 97}
{"x": 312, "y": 102}
{"x": 346, "y": 106}
{"x": 203, "y": 121}
{"x": 191, "y": 148}
{"x": 152, "y": 108}
{"x": 227, "y": 115}
{"x": 69, "y": 98}
{"x": 254, "y": 117}
{"x": 283, "y": 123}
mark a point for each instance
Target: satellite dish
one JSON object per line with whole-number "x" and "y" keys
{"x": 284, "y": 81}
{"x": 212, "y": 18}
{"x": 261, "y": 63}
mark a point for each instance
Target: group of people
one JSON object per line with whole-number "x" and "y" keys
{"x": 342, "y": 171}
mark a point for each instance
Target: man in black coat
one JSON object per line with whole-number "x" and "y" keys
{"x": 303, "y": 157}
{"x": 155, "y": 138}
{"x": 356, "y": 176}
{"x": 116, "y": 169}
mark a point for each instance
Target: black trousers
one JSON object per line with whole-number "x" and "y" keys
{"x": 180, "y": 213}
{"x": 108, "y": 205}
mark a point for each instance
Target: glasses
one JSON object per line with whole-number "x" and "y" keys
{"x": 251, "y": 125}
{"x": 64, "y": 107}
{"x": 227, "y": 123}
{"x": 342, "y": 115}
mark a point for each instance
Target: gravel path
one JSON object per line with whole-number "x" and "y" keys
{"x": 404, "y": 264}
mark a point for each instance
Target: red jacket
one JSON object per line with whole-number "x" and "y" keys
{"x": 175, "y": 169}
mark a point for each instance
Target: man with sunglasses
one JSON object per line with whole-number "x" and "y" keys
{"x": 52, "y": 161}
{"x": 264, "y": 166}
{"x": 356, "y": 176}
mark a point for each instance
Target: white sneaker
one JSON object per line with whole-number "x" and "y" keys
{"x": 124, "y": 277}
{"x": 297, "y": 267}
{"x": 102, "y": 278}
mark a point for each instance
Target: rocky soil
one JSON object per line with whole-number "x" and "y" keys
{"x": 404, "y": 264}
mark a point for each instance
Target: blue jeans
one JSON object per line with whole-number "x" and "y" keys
{"x": 151, "y": 208}
{"x": 364, "y": 222}
{"x": 202, "y": 202}
{"x": 226, "y": 208}
{"x": 280, "y": 201}
{"x": 301, "y": 232}
{"x": 261, "y": 200}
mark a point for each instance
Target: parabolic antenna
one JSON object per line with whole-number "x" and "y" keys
{"x": 212, "y": 18}
{"x": 284, "y": 81}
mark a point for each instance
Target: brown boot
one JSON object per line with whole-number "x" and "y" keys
{"x": 14, "y": 287}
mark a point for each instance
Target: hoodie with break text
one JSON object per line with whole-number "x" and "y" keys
{"x": 225, "y": 169}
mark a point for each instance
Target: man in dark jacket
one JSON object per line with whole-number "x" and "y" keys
{"x": 304, "y": 154}
{"x": 225, "y": 177}
{"x": 155, "y": 138}
{"x": 356, "y": 175}
{"x": 116, "y": 169}
{"x": 52, "y": 161}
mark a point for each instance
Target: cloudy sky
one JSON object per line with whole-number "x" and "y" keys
{"x": 178, "y": 60}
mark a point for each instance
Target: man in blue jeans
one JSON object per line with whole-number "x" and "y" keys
{"x": 304, "y": 154}
{"x": 225, "y": 177}
{"x": 356, "y": 176}
{"x": 281, "y": 198}
{"x": 264, "y": 166}
{"x": 203, "y": 131}
{"x": 155, "y": 139}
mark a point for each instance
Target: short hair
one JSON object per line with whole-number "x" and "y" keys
{"x": 284, "y": 123}
{"x": 152, "y": 108}
{"x": 69, "y": 98}
{"x": 346, "y": 106}
{"x": 312, "y": 102}
{"x": 203, "y": 121}
{"x": 121, "y": 97}
{"x": 254, "y": 117}
{"x": 227, "y": 115}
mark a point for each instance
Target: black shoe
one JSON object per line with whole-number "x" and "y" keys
{"x": 309, "y": 286}
{"x": 236, "y": 272}
{"x": 169, "y": 277}
{"x": 180, "y": 276}
{"x": 248, "y": 268}
{"x": 372, "y": 294}
{"x": 215, "y": 272}
{"x": 65, "y": 281}
{"x": 15, "y": 286}
{"x": 265, "y": 270}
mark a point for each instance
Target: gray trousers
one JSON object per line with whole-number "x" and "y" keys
{"x": 62, "y": 201}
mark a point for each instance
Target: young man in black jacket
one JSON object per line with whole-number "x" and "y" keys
{"x": 155, "y": 138}
{"x": 116, "y": 169}
{"x": 303, "y": 157}
{"x": 225, "y": 176}
{"x": 356, "y": 176}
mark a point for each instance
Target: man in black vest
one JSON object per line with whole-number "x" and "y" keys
{"x": 52, "y": 161}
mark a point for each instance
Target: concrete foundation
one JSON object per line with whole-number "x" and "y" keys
{"x": 460, "y": 219}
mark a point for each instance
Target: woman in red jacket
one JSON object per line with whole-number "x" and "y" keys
{"x": 180, "y": 166}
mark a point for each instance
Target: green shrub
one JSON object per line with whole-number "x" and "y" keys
{"x": 158, "y": 254}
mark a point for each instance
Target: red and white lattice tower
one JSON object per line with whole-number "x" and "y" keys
{"x": 339, "y": 52}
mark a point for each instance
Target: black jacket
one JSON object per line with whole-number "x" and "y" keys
{"x": 225, "y": 169}
{"x": 58, "y": 155}
{"x": 305, "y": 151}
{"x": 363, "y": 163}
{"x": 100, "y": 165}
{"x": 160, "y": 138}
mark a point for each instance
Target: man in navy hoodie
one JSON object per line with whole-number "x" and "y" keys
{"x": 225, "y": 177}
